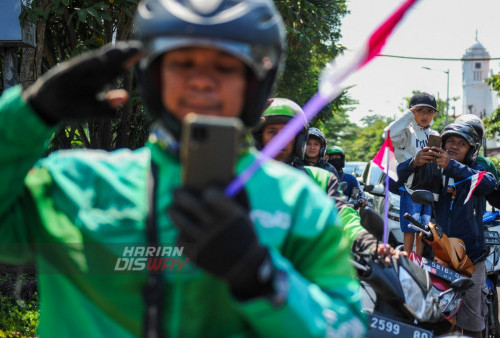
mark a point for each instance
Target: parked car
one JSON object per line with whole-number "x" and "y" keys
{"x": 373, "y": 175}
{"x": 355, "y": 168}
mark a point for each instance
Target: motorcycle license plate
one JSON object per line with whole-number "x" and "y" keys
{"x": 491, "y": 237}
{"x": 384, "y": 327}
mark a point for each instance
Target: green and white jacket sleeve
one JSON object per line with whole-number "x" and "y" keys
{"x": 24, "y": 139}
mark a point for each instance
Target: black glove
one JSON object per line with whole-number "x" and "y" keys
{"x": 219, "y": 237}
{"x": 70, "y": 91}
{"x": 364, "y": 241}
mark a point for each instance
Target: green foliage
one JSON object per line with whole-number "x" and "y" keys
{"x": 72, "y": 27}
{"x": 313, "y": 29}
{"x": 76, "y": 26}
{"x": 18, "y": 317}
{"x": 368, "y": 140}
{"x": 496, "y": 161}
{"x": 492, "y": 123}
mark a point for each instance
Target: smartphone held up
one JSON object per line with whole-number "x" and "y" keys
{"x": 434, "y": 141}
{"x": 209, "y": 150}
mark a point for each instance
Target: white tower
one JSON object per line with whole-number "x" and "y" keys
{"x": 477, "y": 95}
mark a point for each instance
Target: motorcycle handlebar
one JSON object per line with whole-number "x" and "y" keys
{"x": 416, "y": 225}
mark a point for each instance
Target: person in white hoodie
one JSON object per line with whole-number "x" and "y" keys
{"x": 409, "y": 134}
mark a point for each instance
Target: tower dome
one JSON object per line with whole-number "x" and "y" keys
{"x": 477, "y": 95}
{"x": 477, "y": 50}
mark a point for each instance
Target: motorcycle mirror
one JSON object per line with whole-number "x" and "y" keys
{"x": 368, "y": 187}
{"x": 458, "y": 285}
{"x": 342, "y": 186}
{"x": 372, "y": 222}
{"x": 461, "y": 284}
{"x": 422, "y": 197}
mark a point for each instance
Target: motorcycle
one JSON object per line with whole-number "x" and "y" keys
{"x": 356, "y": 198}
{"x": 406, "y": 302}
{"x": 449, "y": 261}
{"x": 491, "y": 224}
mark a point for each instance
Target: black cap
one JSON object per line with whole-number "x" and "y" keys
{"x": 423, "y": 100}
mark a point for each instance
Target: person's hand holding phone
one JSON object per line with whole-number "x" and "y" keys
{"x": 442, "y": 158}
{"x": 424, "y": 156}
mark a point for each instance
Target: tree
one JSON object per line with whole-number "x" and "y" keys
{"x": 69, "y": 27}
{"x": 66, "y": 28}
{"x": 368, "y": 139}
{"x": 313, "y": 29}
{"x": 492, "y": 123}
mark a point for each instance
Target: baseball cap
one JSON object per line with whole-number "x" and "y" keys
{"x": 423, "y": 100}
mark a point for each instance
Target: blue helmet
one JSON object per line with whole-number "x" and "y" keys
{"x": 251, "y": 30}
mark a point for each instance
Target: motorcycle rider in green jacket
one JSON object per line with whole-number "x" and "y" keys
{"x": 279, "y": 112}
{"x": 272, "y": 262}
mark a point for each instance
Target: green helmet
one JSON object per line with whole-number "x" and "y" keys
{"x": 335, "y": 150}
{"x": 338, "y": 163}
{"x": 280, "y": 111}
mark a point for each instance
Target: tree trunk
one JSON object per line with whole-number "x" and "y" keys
{"x": 31, "y": 59}
{"x": 10, "y": 68}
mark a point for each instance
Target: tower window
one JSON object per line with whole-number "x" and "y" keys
{"x": 477, "y": 65}
{"x": 477, "y": 75}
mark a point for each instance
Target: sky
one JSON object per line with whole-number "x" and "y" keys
{"x": 431, "y": 29}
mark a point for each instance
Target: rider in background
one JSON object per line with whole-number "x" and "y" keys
{"x": 316, "y": 151}
{"x": 274, "y": 118}
{"x": 272, "y": 261}
{"x": 459, "y": 213}
{"x": 478, "y": 125}
{"x": 336, "y": 157}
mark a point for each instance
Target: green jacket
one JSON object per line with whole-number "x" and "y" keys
{"x": 76, "y": 213}
{"x": 349, "y": 217}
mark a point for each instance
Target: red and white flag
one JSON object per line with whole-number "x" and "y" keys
{"x": 475, "y": 180}
{"x": 386, "y": 160}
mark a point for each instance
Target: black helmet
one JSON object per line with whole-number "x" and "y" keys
{"x": 475, "y": 122}
{"x": 315, "y": 132}
{"x": 251, "y": 30}
{"x": 468, "y": 133}
{"x": 280, "y": 111}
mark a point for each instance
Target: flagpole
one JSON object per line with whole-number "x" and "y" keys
{"x": 386, "y": 204}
